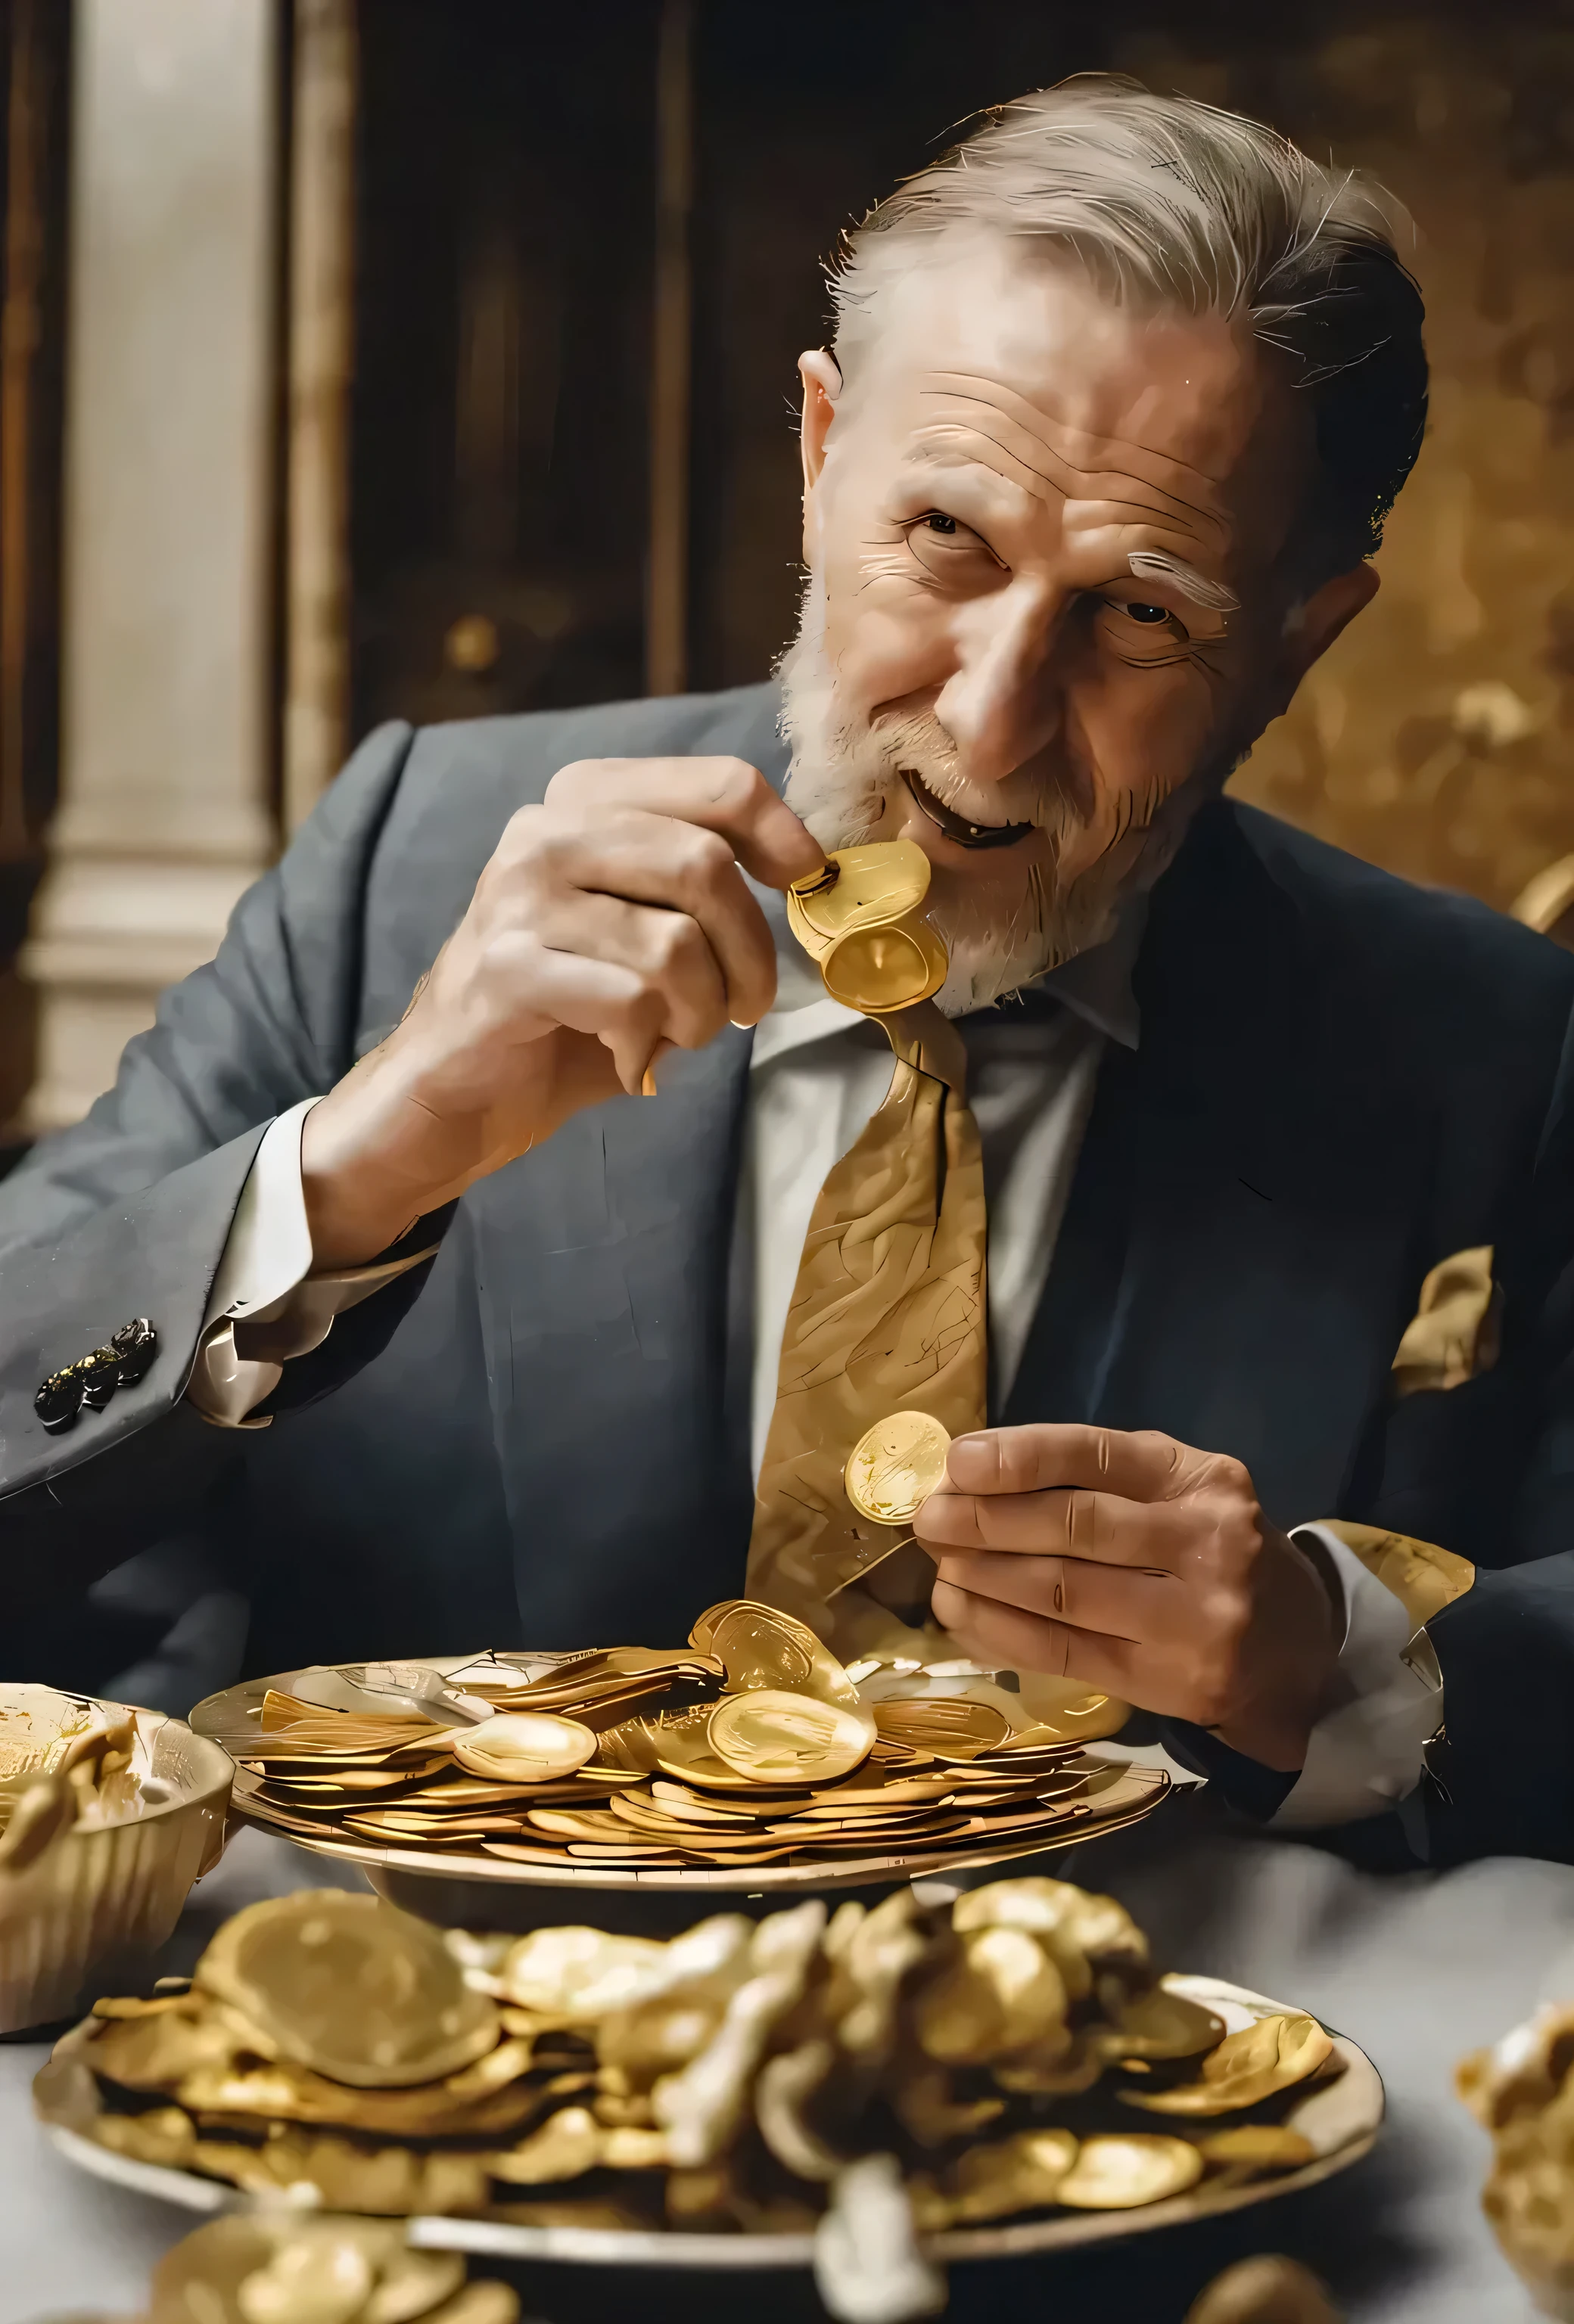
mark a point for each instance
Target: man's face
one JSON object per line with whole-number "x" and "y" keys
{"x": 979, "y": 650}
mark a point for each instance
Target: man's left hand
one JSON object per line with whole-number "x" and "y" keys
{"x": 1139, "y": 1566}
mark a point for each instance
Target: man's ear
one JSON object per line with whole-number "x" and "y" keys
{"x": 822, "y": 384}
{"x": 1324, "y": 616}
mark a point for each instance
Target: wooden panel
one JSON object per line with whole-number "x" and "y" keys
{"x": 33, "y": 44}
{"x": 500, "y": 492}
{"x": 34, "y": 33}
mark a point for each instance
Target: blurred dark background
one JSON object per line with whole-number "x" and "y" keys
{"x": 494, "y": 139}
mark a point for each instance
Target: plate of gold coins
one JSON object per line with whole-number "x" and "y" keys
{"x": 835, "y": 2084}
{"x": 750, "y": 1758}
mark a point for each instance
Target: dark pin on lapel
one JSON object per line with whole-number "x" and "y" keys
{"x": 92, "y": 1380}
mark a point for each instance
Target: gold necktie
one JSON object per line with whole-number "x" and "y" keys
{"x": 887, "y": 1315}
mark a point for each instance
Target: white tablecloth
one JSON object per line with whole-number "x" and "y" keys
{"x": 1416, "y": 1970}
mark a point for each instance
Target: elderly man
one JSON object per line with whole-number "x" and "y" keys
{"x": 512, "y": 1075}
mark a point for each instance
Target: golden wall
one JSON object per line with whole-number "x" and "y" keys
{"x": 1437, "y": 738}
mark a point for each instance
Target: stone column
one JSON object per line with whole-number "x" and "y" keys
{"x": 164, "y": 812}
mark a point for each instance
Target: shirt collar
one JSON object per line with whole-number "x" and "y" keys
{"x": 1097, "y": 986}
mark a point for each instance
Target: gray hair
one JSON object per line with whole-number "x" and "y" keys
{"x": 1167, "y": 202}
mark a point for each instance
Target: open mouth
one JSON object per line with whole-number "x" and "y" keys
{"x": 956, "y": 827}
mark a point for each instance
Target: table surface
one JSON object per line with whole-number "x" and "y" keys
{"x": 1417, "y": 1969}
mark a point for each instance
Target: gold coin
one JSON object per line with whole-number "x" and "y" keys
{"x": 318, "y": 2278}
{"x": 760, "y": 1647}
{"x": 580, "y": 1974}
{"x": 1257, "y": 2146}
{"x": 1021, "y": 2173}
{"x": 895, "y": 1466}
{"x": 1272, "y": 2055}
{"x": 524, "y": 1747}
{"x": 1000, "y": 1993}
{"x": 1269, "y": 2286}
{"x": 861, "y": 919}
{"x": 1121, "y": 2173}
{"x": 951, "y": 1724}
{"x": 767, "y": 1735}
{"x": 881, "y": 970}
{"x": 300, "y": 2272}
{"x": 1162, "y": 2025}
{"x": 862, "y": 887}
{"x": 350, "y": 1987}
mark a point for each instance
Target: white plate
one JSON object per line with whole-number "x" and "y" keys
{"x": 1341, "y": 2118}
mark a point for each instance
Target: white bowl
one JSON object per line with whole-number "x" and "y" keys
{"x": 96, "y": 1905}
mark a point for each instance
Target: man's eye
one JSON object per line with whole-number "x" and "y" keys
{"x": 958, "y": 557}
{"x": 1147, "y": 613}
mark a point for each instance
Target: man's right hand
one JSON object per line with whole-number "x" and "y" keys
{"x": 612, "y": 923}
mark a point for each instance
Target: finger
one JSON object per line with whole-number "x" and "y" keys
{"x": 616, "y": 1005}
{"x": 651, "y": 860}
{"x": 1003, "y": 1639}
{"x": 1095, "y": 1525}
{"x": 1139, "y": 1464}
{"x": 725, "y": 796}
{"x": 667, "y": 949}
{"x": 1111, "y": 1600}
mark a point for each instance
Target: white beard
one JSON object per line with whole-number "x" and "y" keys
{"x": 843, "y": 774}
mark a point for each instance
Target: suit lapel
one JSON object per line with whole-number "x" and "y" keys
{"x": 602, "y": 1264}
{"x": 1236, "y": 1264}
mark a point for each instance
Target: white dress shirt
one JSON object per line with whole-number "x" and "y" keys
{"x": 818, "y": 1071}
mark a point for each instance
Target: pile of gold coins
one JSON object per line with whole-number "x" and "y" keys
{"x": 64, "y": 1761}
{"x": 1523, "y": 2092}
{"x": 281, "y": 2268}
{"x": 753, "y": 1746}
{"x": 1013, "y": 2052}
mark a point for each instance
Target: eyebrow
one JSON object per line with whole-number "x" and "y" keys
{"x": 1157, "y": 564}
{"x": 1142, "y": 564}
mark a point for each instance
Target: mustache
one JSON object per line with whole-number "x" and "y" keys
{"x": 918, "y": 744}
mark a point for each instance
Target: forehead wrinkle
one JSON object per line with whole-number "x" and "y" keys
{"x": 1110, "y": 488}
{"x": 970, "y": 389}
{"x": 956, "y": 385}
{"x": 1075, "y": 488}
{"x": 943, "y": 445}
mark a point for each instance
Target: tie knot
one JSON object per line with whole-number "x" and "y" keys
{"x": 929, "y": 1043}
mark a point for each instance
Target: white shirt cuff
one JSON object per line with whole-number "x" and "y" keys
{"x": 264, "y": 1279}
{"x": 1366, "y": 1752}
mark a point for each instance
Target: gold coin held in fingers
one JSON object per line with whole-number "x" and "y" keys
{"x": 861, "y": 918}
{"x": 881, "y": 970}
{"x": 895, "y": 1466}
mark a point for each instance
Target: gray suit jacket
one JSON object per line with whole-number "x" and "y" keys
{"x": 1341, "y": 1080}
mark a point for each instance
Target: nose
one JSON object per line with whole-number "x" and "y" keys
{"x": 1001, "y": 705}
